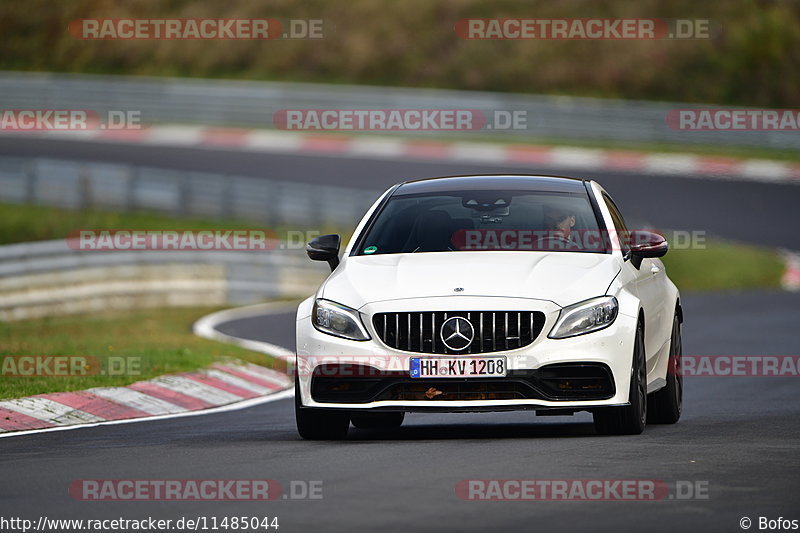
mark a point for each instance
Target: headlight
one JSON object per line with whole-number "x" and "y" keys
{"x": 336, "y": 319}
{"x": 585, "y": 317}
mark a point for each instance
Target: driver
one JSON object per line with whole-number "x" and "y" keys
{"x": 558, "y": 222}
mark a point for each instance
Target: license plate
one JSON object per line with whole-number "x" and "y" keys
{"x": 458, "y": 367}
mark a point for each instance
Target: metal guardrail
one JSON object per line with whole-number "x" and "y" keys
{"x": 50, "y": 278}
{"x": 253, "y": 104}
{"x": 84, "y": 184}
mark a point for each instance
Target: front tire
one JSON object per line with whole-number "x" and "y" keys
{"x": 319, "y": 424}
{"x": 666, "y": 405}
{"x": 629, "y": 419}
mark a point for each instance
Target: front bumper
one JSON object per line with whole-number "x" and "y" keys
{"x": 546, "y": 374}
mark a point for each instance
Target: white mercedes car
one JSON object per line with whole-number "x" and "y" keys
{"x": 490, "y": 293}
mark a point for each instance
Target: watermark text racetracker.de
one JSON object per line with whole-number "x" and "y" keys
{"x": 106, "y": 240}
{"x": 738, "y": 366}
{"x": 582, "y": 28}
{"x": 60, "y": 366}
{"x": 69, "y": 119}
{"x": 734, "y": 119}
{"x": 196, "y": 29}
{"x": 420, "y": 119}
{"x": 580, "y": 490}
{"x": 576, "y": 239}
{"x": 134, "y": 490}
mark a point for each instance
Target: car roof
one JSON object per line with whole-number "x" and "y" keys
{"x": 482, "y": 182}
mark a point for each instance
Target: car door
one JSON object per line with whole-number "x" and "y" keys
{"x": 649, "y": 280}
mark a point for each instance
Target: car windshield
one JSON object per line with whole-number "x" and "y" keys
{"x": 485, "y": 220}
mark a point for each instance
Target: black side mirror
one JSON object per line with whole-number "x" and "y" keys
{"x": 646, "y": 244}
{"x": 325, "y": 248}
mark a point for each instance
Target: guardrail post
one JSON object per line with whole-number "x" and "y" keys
{"x": 130, "y": 193}
{"x": 84, "y": 189}
{"x": 184, "y": 188}
{"x": 29, "y": 171}
{"x": 226, "y": 201}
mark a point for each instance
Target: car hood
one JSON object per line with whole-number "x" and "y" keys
{"x": 561, "y": 277}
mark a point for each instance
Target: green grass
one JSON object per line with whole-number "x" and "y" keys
{"x": 724, "y": 265}
{"x": 25, "y": 223}
{"x": 160, "y": 340}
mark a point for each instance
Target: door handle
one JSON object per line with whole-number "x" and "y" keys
{"x": 654, "y": 269}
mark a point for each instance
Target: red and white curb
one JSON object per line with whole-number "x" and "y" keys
{"x": 791, "y": 275}
{"x": 385, "y": 147}
{"x": 225, "y": 386}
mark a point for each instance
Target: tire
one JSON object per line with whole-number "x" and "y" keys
{"x": 319, "y": 424}
{"x": 377, "y": 420}
{"x": 665, "y": 406}
{"x": 632, "y": 418}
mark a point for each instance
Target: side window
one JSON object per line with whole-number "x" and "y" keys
{"x": 619, "y": 223}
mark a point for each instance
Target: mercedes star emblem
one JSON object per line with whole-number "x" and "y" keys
{"x": 457, "y": 333}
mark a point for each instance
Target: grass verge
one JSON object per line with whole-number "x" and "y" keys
{"x": 26, "y": 223}
{"x": 724, "y": 265}
{"x": 159, "y": 340}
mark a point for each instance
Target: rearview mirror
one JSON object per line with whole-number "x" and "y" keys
{"x": 325, "y": 248}
{"x": 646, "y": 244}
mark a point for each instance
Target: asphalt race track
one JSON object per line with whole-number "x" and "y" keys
{"x": 738, "y": 436}
{"x": 751, "y": 211}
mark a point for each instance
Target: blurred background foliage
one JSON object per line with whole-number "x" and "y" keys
{"x": 753, "y": 57}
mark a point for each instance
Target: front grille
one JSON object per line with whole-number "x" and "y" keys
{"x": 494, "y": 331}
